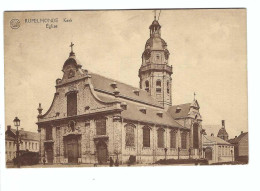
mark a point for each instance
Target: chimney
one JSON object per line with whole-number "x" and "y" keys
{"x": 212, "y": 134}
{"x": 242, "y": 132}
{"x": 223, "y": 123}
{"x": 9, "y": 127}
{"x": 235, "y": 136}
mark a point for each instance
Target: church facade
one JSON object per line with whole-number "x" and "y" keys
{"x": 93, "y": 118}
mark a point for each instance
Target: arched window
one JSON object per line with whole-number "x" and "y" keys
{"x": 160, "y": 136}
{"x": 168, "y": 87}
{"x": 173, "y": 139}
{"x": 146, "y": 137}
{"x": 72, "y": 104}
{"x": 130, "y": 136}
{"x": 184, "y": 140}
{"x": 195, "y": 136}
{"x": 147, "y": 85}
{"x": 101, "y": 126}
{"x": 158, "y": 86}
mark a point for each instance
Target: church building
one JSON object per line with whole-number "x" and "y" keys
{"x": 93, "y": 118}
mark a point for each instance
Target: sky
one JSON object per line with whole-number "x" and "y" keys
{"x": 207, "y": 51}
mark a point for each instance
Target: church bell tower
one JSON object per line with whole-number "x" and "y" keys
{"x": 155, "y": 72}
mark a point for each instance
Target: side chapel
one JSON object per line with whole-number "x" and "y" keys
{"x": 93, "y": 118}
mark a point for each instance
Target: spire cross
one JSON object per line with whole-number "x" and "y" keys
{"x": 194, "y": 96}
{"x": 71, "y": 46}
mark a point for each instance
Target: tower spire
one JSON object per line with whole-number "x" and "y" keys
{"x": 154, "y": 14}
{"x": 194, "y": 96}
{"x": 71, "y": 51}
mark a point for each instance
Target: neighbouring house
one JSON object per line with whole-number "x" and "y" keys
{"x": 29, "y": 142}
{"x": 241, "y": 147}
{"x": 217, "y": 150}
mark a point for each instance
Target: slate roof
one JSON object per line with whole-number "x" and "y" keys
{"x": 133, "y": 113}
{"x": 9, "y": 138}
{"x": 27, "y": 135}
{"x": 218, "y": 140}
{"x": 237, "y": 139}
{"x": 185, "y": 108}
{"x": 127, "y": 91}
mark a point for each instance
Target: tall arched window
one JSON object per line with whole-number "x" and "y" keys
{"x": 72, "y": 104}
{"x": 146, "y": 136}
{"x": 173, "y": 139}
{"x": 158, "y": 86}
{"x": 195, "y": 136}
{"x": 160, "y": 136}
{"x": 147, "y": 85}
{"x": 130, "y": 135}
{"x": 101, "y": 126}
{"x": 184, "y": 140}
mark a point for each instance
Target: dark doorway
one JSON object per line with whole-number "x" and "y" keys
{"x": 49, "y": 153}
{"x": 102, "y": 152}
{"x": 208, "y": 153}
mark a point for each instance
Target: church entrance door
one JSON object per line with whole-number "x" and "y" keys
{"x": 208, "y": 153}
{"x": 72, "y": 146}
{"x": 102, "y": 152}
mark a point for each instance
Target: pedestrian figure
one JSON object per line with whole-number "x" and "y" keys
{"x": 111, "y": 162}
{"x": 44, "y": 161}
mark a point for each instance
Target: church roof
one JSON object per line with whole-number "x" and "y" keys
{"x": 179, "y": 111}
{"x": 222, "y": 132}
{"x": 126, "y": 91}
{"x": 217, "y": 140}
{"x": 150, "y": 116}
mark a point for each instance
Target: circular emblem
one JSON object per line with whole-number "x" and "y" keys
{"x": 15, "y": 23}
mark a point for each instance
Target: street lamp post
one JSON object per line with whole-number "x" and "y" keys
{"x": 17, "y": 124}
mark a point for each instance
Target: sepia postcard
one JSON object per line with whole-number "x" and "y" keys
{"x": 109, "y": 88}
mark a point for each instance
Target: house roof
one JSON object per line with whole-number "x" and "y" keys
{"x": 151, "y": 116}
{"x": 183, "y": 110}
{"x": 27, "y": 135}
{"x": 217, "y": 140}
{"x": 126, "y": 91}
{"x": 237, "y": 139}
{"x": 9, "y": 138}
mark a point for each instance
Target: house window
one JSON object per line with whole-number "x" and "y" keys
{"x": 160, "y": 136}
{"x": 147, "y": 86}
{"x": 130, "y": 137}
{"x": 184, "y": 140}
{"x": 173, "y": 136}
{"x": 146, "y": 137}
{"x": 101, "y": 126}
{"x": 72, "y": 104}
{"x": 48, "y": 133}
{"x": 158, "y": 86}
{"x": 25, "y": 145}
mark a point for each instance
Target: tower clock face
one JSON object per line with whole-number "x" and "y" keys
{"x": 147, "y": 54}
